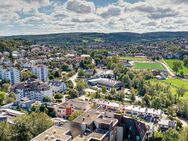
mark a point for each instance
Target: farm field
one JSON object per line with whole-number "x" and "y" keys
{"x": 173, "y": 87}
{"x": 132, "y": 58}
{"x": 148, "y": 66}
{"x": 170, "y": 64}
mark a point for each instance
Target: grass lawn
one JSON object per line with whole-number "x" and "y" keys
{"x": 164, "y": 84}
{"x": 132, "y": 58}
{"x": 177, "y": 83}
{"x": 170, "y": 64}
{"x": 148, "y": 66}
{"x": 174, "y": 84}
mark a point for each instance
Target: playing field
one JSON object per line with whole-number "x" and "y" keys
{"x": 148, "y": 66}
{"x": 132, "y": 58}
{"x": 170, "y": 64}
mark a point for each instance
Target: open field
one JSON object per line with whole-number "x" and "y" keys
{"x": 173, "y": 83}
{"x": 148, "y": 66}
{"x": 178, "y": 83}
{"x": 132, "y": 58}
{"x": 170, "y": 64}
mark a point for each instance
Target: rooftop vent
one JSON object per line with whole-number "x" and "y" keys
{"x": 46, "y": 137}
{"x": 54, "y": 131}
{"x": 52, "y": 136}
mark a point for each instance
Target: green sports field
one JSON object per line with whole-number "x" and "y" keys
{"x": 148, "y": 66}
{"x": 132, "y": 58}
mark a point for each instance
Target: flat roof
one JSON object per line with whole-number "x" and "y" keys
{"x": 107, "y": 103}
{"x": 143, "y": 110}
{"x": 108, "y": 121}
{"x": 98, "y": 134}
{"x": 11, "y": 112}
{"x": 88, "y": 117}
{"x": 53, "y": 133}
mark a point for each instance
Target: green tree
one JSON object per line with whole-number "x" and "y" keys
{"x": 158, "y": 136}
{"x": 51, "y": 77}
{"x": 156, "y": 103}
{"x": 184, "y": 134}
{"x": 75, "y": 115}
{"x": 2, "y": 97}
{"x": 25, "y": 75}
{"x": 46, "y": 99}
{"x": 171, "y": 135}
{"x": 104, "y": 89}
{"x": 5, "y": 87}
{"x": 30, "y": 125}
{"x": 176, "y": 66}
{"x": 179, "y": 125}
{"x": 171, "y": 111}
{"x": 182, "y": 109}
{"x": 5, "y": 131}
{"x": 81, "y": 73}
{"x": 97, "y": 94}
{"x": 69, "y": 84}
{"x": 56, "y": 74}
{"x": 11, "y": 97}
{"x": 80, "y": 86}
{"x": 146, "y": 100}
{"x": 182, "y": 74}
{"x": 65, "y": 67}
{"x": 127, "y": 81}
{"x": 133, "y": 95}
{"x": 113, "y": 91}
{"x": 58, "y": 96}
{"x": 180, "y": 91}
{"x": 185, "y": 62}
{"x": 73, "y": 93}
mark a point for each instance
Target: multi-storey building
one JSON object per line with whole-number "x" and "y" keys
{"x": 36, "y": 90}
{"x": 10, "y": 74}
{"x": 41, "y": 71}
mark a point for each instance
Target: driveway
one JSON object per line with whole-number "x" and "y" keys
{"x": 73, "y": 79}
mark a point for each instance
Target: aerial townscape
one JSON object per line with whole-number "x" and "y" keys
{"x": 93, "y": 70}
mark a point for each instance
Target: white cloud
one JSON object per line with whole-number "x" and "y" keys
{"x": 80, "y": 6}
{"x": 84, "y": 16}
{"x": 109, "y": 11}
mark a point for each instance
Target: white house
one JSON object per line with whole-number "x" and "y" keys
{"x": 165, "y": 124}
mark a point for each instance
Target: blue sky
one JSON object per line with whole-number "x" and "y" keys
{"x": 56, "y": 16}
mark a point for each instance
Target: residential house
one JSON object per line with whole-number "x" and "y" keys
{"x": 165, "y": 124}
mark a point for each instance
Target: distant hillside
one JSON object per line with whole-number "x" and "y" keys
{"x": 84, "y": 38}
{"x": 12, "y": 45}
